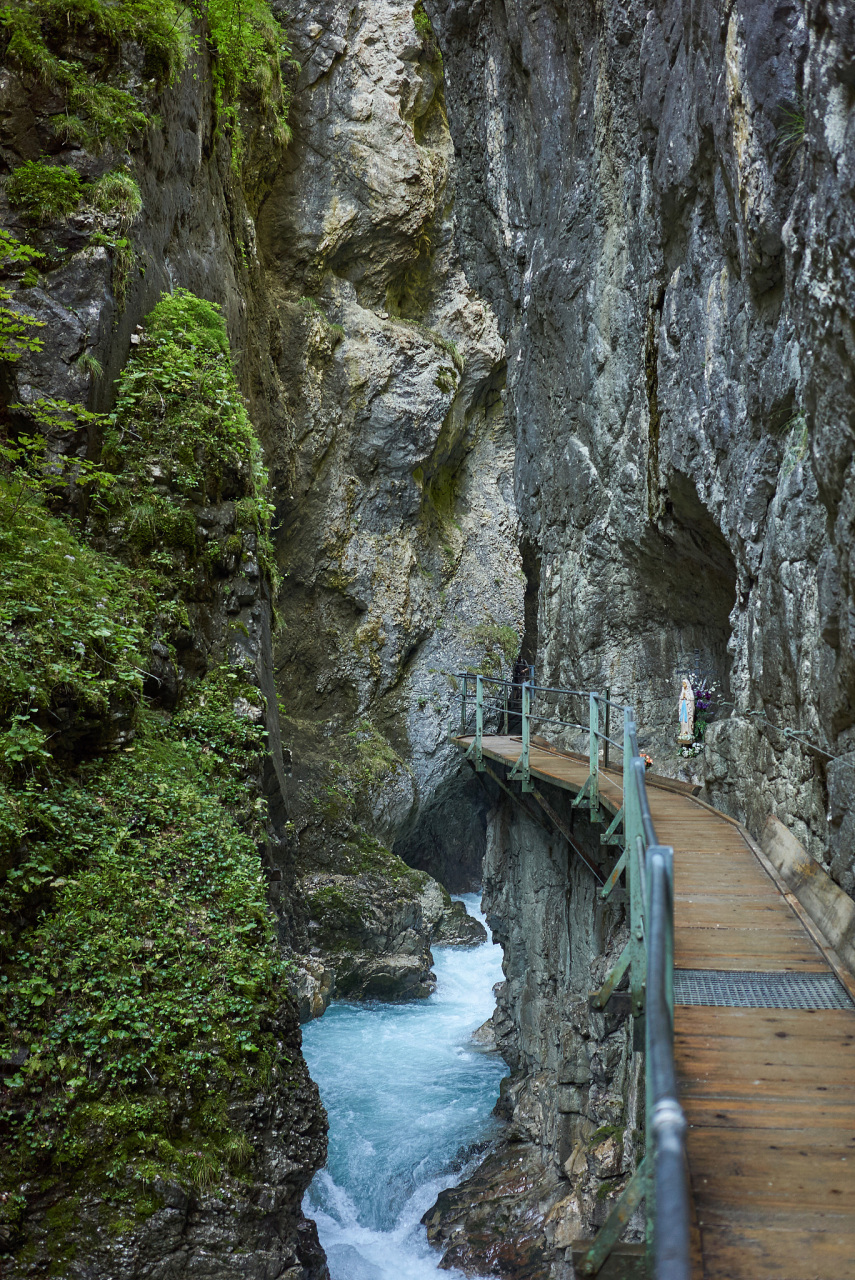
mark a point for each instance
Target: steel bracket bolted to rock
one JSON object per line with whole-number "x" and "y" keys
{"x": 614, "y": 1225}
{"x": 476, "y": 750}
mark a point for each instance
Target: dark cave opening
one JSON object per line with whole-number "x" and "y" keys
{"x": 449, "y": 837}
{"x": 688, "y": 588}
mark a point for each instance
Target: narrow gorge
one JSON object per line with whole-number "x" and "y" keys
{"x": 346, "y": 347}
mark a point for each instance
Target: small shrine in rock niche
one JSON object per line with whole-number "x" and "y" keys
{"x": 687, "y": 713}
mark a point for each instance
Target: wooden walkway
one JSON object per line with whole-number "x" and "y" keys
{"x": 769, "y": 1094}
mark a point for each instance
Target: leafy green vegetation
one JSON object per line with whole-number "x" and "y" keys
{"x": 424, "y": 26}
{"x": 140, "y": 974}
{"x": 16, "y": 336}
{"x": 69, "y": 637}
{"x": 139, "y": 996}
{"x": 249, "y": 47}
{"x": 180, "y": 432}
{"x": 45, "y": 190}
{"x": 97, "y": 112}
{"x": 421, "y": 21}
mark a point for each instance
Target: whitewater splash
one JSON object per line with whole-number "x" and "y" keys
{"x": 408, "y": 1099}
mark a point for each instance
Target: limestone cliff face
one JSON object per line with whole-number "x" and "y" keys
{"x": 392, "y": 471}
{"x": 657, "y": 202}
{"x": 574, "y": 1098}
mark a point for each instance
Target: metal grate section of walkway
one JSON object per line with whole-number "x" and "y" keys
{"x": 751, "y": 990}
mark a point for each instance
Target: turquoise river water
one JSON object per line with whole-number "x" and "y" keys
{"x": 408, "y": 1097}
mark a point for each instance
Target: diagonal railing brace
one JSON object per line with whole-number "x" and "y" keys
{"x": 553, "y": 816}
{"x": 613, "y": 1227}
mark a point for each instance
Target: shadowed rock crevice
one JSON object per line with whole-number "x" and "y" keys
{"x": 449, "y": 839}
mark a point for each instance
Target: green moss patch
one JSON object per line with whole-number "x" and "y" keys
{"x": 180, "y": 433}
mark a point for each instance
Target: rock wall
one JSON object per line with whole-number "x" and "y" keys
{"x": 394, "y": 484}
{"x": 573, "y": 1101}
{"x": 657, "y": 203}
{"x": 374, "y": 377}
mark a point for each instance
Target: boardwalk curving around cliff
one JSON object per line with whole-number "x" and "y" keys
{"x": 768, "y": 1092}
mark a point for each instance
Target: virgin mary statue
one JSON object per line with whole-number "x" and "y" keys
{"x": 687, "y": 713}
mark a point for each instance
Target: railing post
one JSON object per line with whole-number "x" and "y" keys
{"x": 634, "y": 836}
{"x": 463, "y": 707}
{"x": 649, "y": 1137}
{"x": 594, "y": 753}
{"x": 607, "y": 744}
{"x": 479, "y": 724}
{"x": 505, "y": 690}
{"x": 525, "y": 772}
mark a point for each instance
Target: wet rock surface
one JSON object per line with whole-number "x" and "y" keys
{"x": 572, "y": 1102}
{"x": 658, "y": 205}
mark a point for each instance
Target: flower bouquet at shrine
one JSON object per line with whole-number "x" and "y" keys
{"x": 698, "y": 704}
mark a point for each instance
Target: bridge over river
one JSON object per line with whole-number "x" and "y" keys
{"x": 748, "y": 1014}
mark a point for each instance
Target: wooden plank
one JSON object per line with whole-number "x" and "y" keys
{"x": 773, "y": 1246}
{"x": 816, "y": 1024}
{"x": 780, "y": 1046}
{"x": 781, "y": 1084}
{"x": 818, "y": 1114}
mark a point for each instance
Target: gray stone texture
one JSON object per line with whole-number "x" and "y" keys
{"x": 572, "y": 1100}
{"x": 657, "y": 202}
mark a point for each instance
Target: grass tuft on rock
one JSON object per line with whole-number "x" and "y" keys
{"x": 44, "y": 191}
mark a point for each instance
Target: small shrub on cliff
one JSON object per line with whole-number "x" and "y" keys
{"x": 141, "y": 985}
{"x": 45, "y": 191}
{"x": 97, "y": 111}
{"x": 70, "y": 639}
{"x": 424, "y": 26}
{"x": 140, "y": 980}
{"x": 249, "y": 46}
{"x": 145, "y": 987}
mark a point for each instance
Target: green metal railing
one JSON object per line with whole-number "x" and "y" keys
{"x": 648, "y": 957}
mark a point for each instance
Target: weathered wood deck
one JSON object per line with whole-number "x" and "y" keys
{"x": 769, "y": 1094}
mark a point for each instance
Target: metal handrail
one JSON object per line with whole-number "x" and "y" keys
{"x": 649, "y": 957}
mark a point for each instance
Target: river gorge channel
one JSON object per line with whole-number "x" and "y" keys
{"x": 409, "y": 1099}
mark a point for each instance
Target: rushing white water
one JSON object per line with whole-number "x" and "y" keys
{"x": 407, "y": 1095}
